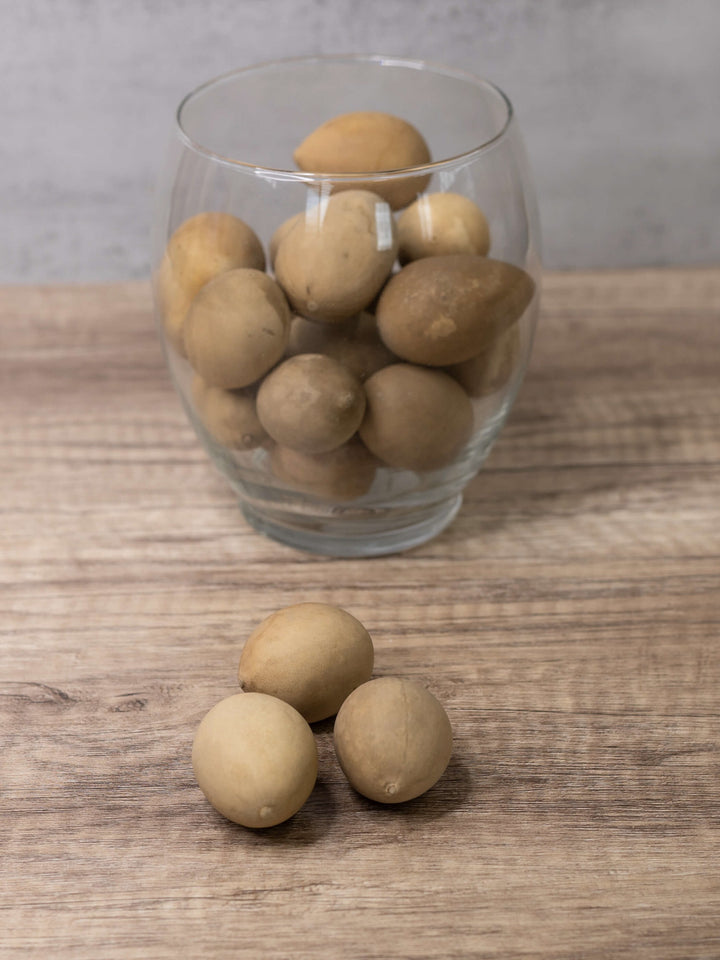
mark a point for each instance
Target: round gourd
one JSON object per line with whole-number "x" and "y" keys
{"x": 368, "y": 141}
{"x": 345, "y": 473}
{"x": 279, "y": 235}
{"x": 415, "y": 418}
{"x": 438, "y": 224}
{"x": 492, "y": 368}
{"x": 237, "y": 328}
{"x": 443, "y": 310}
{"x": 201, "y": 248}
{"x": 311, "y": 403}
{"x": 333, "y": 260}
{"x": 311, "y": 655}
{"x": 174, "y": 302}
{"x": 393, "y": 739}
{"x": 228, "y": 415}
{"x": 255, "y": 759}
{"x": 355, "y": 344}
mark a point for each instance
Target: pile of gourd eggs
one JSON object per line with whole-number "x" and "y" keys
{"x": 254, "y": 754}
{"x": 382, "y": 318}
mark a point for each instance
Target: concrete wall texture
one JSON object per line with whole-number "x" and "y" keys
{"x": 617, "y": 99}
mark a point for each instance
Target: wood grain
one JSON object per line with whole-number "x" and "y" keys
{"x": 568, "y": 620}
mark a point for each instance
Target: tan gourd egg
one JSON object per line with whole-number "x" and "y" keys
{"x": 174, "y": 303}
{"x": 444, "y": 310}
{"x": 255, "y": 759}
{"x": 228, "y": 415}
{"x": 415, "y": 418}
{"x": 334, "y": 259}
{"x": 237, "y": 328}
{"x": 355, "y": 344}
{"x": 368, "y": 141}
{"x": 280, "y": 234}
{"x": 438, "y": 224}
{"x": 393, "y": 739}
{"x": 201, "y": 248}
{"x": 311, "y": 403}
{"x": 345, "y": 473}
{"x": 492, "y": 368}
{"x": 311, "y": 655}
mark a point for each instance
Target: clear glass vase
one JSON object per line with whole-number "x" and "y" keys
{"x": 349, "y": 372}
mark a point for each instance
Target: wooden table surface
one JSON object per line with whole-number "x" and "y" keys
{"x": 568, "y": 620}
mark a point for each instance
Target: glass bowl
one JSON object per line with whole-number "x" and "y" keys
{"x": 347, "y": 344}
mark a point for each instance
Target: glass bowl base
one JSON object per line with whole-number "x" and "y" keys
{"x": 365, "y": 534}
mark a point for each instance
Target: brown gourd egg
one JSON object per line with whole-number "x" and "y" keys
{"x": 368, "y": 141}
{"x": 333, "y": 260}
{"x": 492, "y": 368}
{"x": 415, "y": 418}
{"x": 342, "y": 474}
{"x": 438, "y": 224}
{"x": 279, "y": 235}
{"x": 254, "y": 757}
{"x": 393, "y": 739}
{"x": 311, "y": 655}
{"x": 201, "y": 248}
{"x": 355, "y": 344}
{"x": 311, "y": 403}
{"x": 228, "y": 415}
{"x": 443, "y": 310}
{"x": 237, "y": 328}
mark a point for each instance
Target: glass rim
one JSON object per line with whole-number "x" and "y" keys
{"x": 304, "y": 176}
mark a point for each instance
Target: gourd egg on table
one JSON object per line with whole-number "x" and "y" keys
{"x": 393, "y": 739}
{"x": 254, "y": 757}
{"x": 311, "y": 655}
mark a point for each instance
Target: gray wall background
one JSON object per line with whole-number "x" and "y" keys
{"x": 619, "y": 101}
